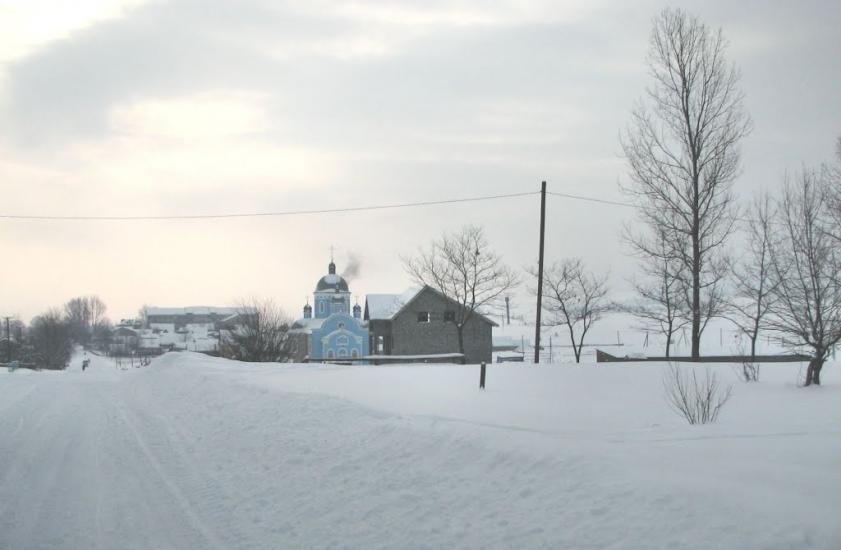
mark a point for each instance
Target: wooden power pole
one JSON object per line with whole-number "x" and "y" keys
{"x": 8, "y": 341}
{"x": 540, "y": 273}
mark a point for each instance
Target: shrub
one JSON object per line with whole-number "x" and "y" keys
{"x": 698, "y": 399}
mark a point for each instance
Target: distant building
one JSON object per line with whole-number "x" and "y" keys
{"x": 162, "y": 329}
{"x": 328, "y": 331}
{"x": 124, "y": 340}
{"x": 173, "y": 319}
{"x": 421, "y": 322}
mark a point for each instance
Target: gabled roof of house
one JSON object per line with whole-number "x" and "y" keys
{"x": 388, "y": 306}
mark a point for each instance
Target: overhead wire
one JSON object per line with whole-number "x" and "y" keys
{"x": 282, "y": 213}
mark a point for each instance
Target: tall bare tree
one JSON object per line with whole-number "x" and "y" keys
{"x": 660, "y": 300}
{"x": 806, "y": 270}
{"x": 84, "y": 314}
{"x": 462, "y": 267}
{"x": 78, "y": 315}
{"x": 754, "y": 286}
{"x": 259, "y": 335}
{"x": 97, "y": 310}
{"x": 573, "y": 298}
{"x": 682, "y": 149}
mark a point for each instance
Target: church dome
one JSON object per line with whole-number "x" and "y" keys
{"x": 331, "y": 281}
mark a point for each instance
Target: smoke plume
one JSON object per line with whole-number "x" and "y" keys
{"x": 353, "y": 265}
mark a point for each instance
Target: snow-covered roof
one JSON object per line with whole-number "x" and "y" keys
{"x": 195, "y": 310}
{"x": 386, "y": 306}
{"x": 306, "y": 325}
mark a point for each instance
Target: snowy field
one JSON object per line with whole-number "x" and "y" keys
{"x": 193, "y": 452}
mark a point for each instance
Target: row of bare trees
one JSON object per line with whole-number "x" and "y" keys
{"x": 682, "y": 148}
{"x": 86, "y": 318}
{"x": 47, "y": 342}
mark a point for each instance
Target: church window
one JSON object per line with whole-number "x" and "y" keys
{"x": 321, "y": 307}
{"x": 342, "y": 352}
{"x": 354, "y": 353}
{"x": 424, "y": 317}
{"x": 341, "y": 326}
{"x": 342, "y": 341}
{"x": 330, "y": 354}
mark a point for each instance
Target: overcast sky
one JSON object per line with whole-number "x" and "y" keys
{"x": 204, "y": 107}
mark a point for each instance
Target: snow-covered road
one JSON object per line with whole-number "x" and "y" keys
{"x": 199, "y": 453}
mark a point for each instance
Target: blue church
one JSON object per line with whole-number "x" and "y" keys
{"x": 329, "y": 331}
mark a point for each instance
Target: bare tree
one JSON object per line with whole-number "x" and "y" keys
{"x": 660, "y": 298}
{"x": 753, "y": 284}
{"x": 97, "y": 310}
{"x": 574, "y": 298}
{"x": 51, "y": 340}
{"x": 78, "y": 315}
{"x": 84, "y": 314}
{"x": 806, "y": 270}
{"x": 683, "y": 153}
{"x": 462, "y": 267}
{"x": 260, "y": 333}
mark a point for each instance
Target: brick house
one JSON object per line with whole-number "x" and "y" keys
{"x": 421, "y": 322}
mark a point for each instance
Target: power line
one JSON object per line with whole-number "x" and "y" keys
{"x": 591, "y": 199}
{"x": 264, "y": 214}
{"x": 616, "y": 203}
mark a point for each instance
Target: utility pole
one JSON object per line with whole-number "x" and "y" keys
{"x": 507, "y": 310}
{"x": 8, "y": 340}
{"x": 540, "y": 273}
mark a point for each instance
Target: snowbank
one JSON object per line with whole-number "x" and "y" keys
{"x": 201, "y": 452}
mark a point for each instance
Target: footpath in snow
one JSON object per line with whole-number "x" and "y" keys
{"x": 195, "y": 452}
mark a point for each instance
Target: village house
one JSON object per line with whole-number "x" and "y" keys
{"x": 421, "y": 323}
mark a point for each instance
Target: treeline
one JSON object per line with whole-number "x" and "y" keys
{"x": 48, "y": 340}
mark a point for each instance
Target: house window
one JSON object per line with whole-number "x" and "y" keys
{"x": 423, "y": 317}
{"x": 450, "y": 316}
{"x": 380, "y": 344}
{"x": 342, "y": 341}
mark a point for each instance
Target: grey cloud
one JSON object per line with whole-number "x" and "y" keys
{"x": 65, "y": 90}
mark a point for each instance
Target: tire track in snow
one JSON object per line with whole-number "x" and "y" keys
{"x": 183, "y": 502}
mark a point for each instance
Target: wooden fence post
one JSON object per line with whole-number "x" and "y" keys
{"x": 482, "y": 377}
